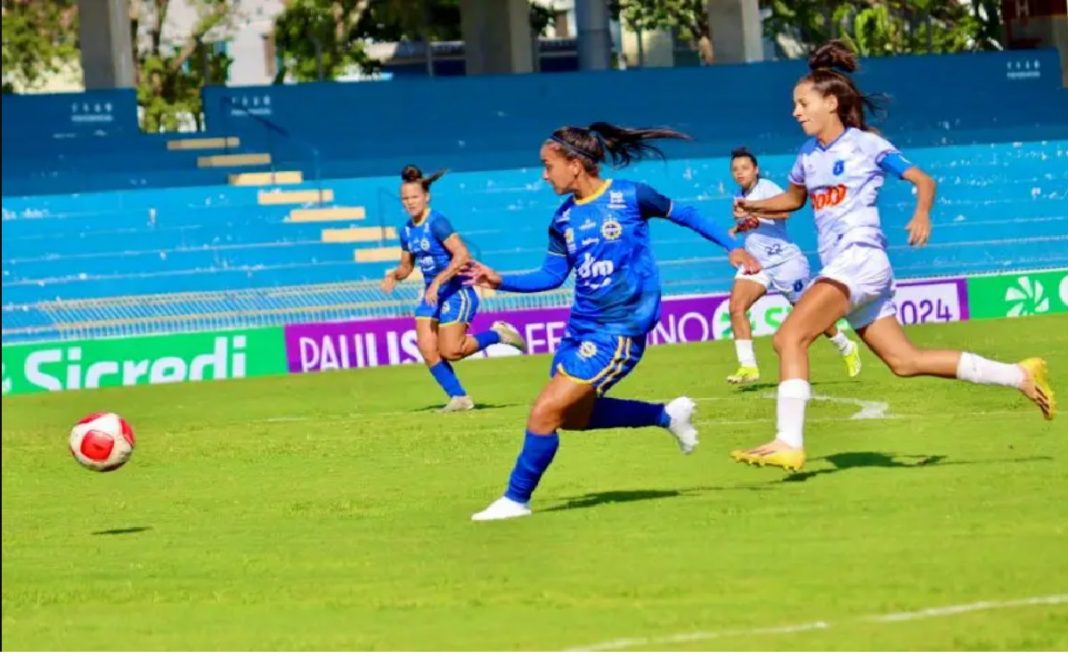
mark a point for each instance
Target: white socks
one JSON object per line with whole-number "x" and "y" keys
{"x": 841, "y": 343}
{"x": 746, "y": 357}
{"x": 979, "y": 370}
{"x": 793, "y": 395}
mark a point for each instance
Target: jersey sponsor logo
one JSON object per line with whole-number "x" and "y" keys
{"x": 839, "y": 167}
{"x": 587, "y": 350}
{"x": 565, "y": 216}
{"x": 426, "y": 263}
{"x": 569, "y": 238}
{"x": 611, "y": 229}
{"x": 587, "y": 225}
{"x": 596, "y": 273}
{"x": 586, "y": 242}
{"x": 615, "y": 200}
{"x": 828, "y": 197}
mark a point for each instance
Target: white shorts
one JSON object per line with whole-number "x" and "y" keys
{"x": 866, "y": 272}
{"x": 789, "y": 278}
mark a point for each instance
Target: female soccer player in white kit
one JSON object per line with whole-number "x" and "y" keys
{"x": 842, "y": 168}
{"x": 785, "y": 270}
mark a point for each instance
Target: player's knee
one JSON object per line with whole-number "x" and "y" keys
{"x": 451, "y": 352}
{"x": 790, "y": 339}
{"x": 544, "y": 418}
{"x": 737, "y": 309}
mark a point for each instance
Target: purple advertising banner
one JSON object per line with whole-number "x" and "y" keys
{"x": 368, "y": 343}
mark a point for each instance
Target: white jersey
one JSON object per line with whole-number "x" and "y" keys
{"x": 843, "y": 182}
{"x": 769, "y": 242}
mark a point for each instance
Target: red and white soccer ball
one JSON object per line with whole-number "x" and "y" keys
{"x": 102, "y": 441}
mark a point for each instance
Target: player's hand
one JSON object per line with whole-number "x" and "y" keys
{"x": 919, "y": 229}
{"x": 747, "y": 223}
{"x": 389, "y": 282}
{"x": 741, "y": 209}
{"x": 481, "y": 275}
{"x": 741, "y": 258}
{"x": 431, "y": 295}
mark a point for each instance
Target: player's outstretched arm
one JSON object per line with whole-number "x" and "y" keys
{"x": 792, "y": 199}
{"x": 551, "y": 275}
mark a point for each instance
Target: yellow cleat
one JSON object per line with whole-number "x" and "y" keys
{"x": 788, "y": 458}
{"x": 744, "y": 375}
{"x": 1037, "y": 387}
{"x": 852, "y": 360}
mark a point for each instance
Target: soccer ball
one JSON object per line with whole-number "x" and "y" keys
{"x": 102, "y": 441}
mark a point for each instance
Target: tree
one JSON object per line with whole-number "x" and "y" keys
{"x": 169, "y": 74}
{"x": 886, "y": 27}
{"x": 688, "y": 18}
{"x": 317, "y": 39}
{"x": 39, "y": 39}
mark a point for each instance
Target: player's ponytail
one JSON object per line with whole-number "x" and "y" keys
{"x": 413, "y": 174}
{"x": 601, "y": 142}
{"x": 830, "y": 65}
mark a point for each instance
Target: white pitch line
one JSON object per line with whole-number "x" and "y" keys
{"x": 921, "y": 614}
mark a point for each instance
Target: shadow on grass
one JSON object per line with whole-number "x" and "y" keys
{"x": 841, "y": 462}
{"x": 617, "y": 496}
{"x": 478, "y": 407}
{"x": 123, "y": 530}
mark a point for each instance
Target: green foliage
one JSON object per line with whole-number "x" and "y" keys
{"x": 688, "y": 19}
{"x": 39, "y": 39}
{"x": 318, "y": 39}
{"x": 169, "y": 76}
{"x": 888, "y": 28}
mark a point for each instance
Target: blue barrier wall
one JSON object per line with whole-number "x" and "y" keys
{"x": 492, "y": 122}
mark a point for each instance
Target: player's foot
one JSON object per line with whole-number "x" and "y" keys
{"x": 460, "y": 403}
{"x": 852, "y": 359}
{"x": 681, "y": 412}
{"x": 1037, "y": 388}
{"x": 503, "y": 509}
{"x": 509, "y": 335}
{"x": 776, "y": 453}
{"x": 744, "y": 375}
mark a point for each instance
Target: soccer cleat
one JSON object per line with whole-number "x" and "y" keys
{"x": 509, "y": 335}
{"x": 744, "y": 375}
{"x": 681, "y": 410}
{"x": 852, "y": 359}
{"x": 460, "y": 403}
{"x": 1037, "y": 387}
{"x": 788, "y": 458}
{"x": 503, "y": 509}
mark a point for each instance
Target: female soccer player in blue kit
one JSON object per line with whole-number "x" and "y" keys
{"x": 448, "y": 306}
{"x": 602, "y": 233}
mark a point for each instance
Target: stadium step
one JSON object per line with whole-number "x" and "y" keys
{"x": 358, "y": 234}
{"x": 233, "y": 159}
{"x": 204, "y": 143}
{"x": 267, "y": 178}
{"x": 269, "y": 198}
{"x": 335, "y": 214}
{"x": 377, "y": 254}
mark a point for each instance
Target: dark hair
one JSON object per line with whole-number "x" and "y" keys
{"x": 742, "y": 151}
{"x": 831, "y": 65}
{"x": 413, "y": 174}
{"x": 603, "y": 141}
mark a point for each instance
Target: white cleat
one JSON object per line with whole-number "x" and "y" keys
{"x": 460, "y": 403}
{"x": 681, "y": 412}
{"x": 503, "y": 509}
{"x": 509, "y": 335}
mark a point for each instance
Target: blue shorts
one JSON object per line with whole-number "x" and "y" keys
{"x": 459, "y": 307}
{"x": 598, "y": 359}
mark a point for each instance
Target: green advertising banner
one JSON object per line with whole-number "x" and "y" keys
{"x": 64, "y": 366}
{"x": 1018, "y": 294}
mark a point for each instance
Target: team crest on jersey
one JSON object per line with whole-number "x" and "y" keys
{"x": 587, "y": 349}
{"x": 445, "y": 308}
{"x": 611, "y": 229}
{"x": 615, "y": 200}
{"x": 839, "y": 167}
{"x": 424, "y": 244}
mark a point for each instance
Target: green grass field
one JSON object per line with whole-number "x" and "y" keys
{"x": 332, "y": 512}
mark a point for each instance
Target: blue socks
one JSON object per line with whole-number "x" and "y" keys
{"x": 613, "y": 413}
{"x": 447, "y": 379}
{"x": 538, "y": 451}
{"x": 487, "y": 338}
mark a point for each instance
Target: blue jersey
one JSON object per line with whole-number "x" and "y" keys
{"x": 605, "y": 239}
{"x": 425, "y": 240}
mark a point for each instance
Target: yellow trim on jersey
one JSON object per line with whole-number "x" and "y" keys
{"x": 450, "y": 323}
{"x": 598, "y": 192}
{"x": 422, "y": 218}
